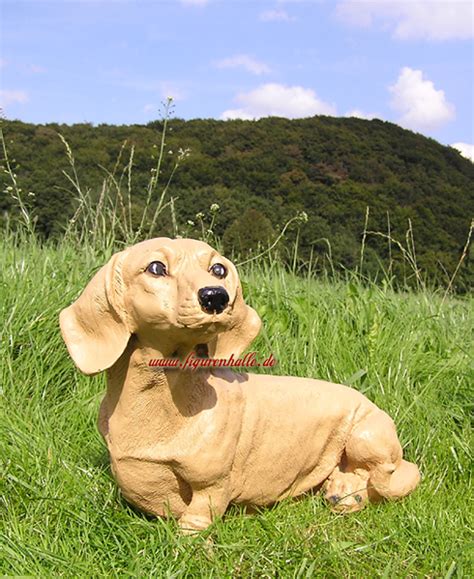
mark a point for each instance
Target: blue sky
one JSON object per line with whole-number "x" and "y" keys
{"x": 109, "y": 61}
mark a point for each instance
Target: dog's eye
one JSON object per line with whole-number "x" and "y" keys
{"x": 157, "y": 268}
{"x": 218, "y": 270}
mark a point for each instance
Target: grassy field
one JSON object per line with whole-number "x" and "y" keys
{"x": 408, "y": 352}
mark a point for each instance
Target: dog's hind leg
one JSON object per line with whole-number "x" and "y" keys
{"x": 373, "y": 455}
{"x": 374, "y": 447}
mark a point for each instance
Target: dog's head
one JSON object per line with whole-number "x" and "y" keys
{"x": 173, "y": 295}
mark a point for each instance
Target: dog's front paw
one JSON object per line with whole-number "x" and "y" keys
{"x": 192, "y": 524}
{"x": 346, "y": 491}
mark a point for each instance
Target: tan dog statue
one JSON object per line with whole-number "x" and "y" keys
{"x": 188, "y": 443}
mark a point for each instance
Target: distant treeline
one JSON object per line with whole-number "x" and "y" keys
{"x": 261, "y": 174}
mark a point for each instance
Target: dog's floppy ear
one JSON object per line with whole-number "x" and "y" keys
{"x": 94, "y": 327}
{"x": 236, "y": 339}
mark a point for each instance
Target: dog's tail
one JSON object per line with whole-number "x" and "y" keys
{"x": 392, "y": 482}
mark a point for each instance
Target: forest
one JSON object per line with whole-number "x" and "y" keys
{"x": 356, "y": 182}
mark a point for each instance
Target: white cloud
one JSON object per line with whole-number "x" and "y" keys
{"x": 466, "y": 150}
{"x": 275, "y": 16}
{"x": 194, "y": 2}
{"x": 361, "y": 114}
{"x": 412, "y": 19}
{"x": 9, "y": 97}
{"x": 420, "y": 105}
{"x": 246, "y": 62}
{"x": 278, "y": 100}
{"x": 230, "y": 114}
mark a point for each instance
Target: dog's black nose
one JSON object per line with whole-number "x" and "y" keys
{"x": 213, "y": 299}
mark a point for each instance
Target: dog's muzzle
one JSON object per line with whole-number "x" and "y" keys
{"x": 213, "y": 299}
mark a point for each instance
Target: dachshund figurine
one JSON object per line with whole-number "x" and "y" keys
{"x": 186, "y": 442}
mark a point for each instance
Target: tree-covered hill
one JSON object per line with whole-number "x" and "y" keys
{"x": 263, "y": 172}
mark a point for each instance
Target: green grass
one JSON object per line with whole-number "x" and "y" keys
{"x": 62, "y": 513}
